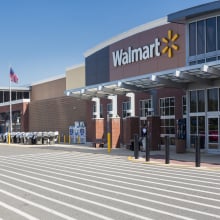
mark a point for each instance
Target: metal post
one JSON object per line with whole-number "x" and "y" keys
{"x": 197, "y": 146}
{"x": 108, "y": 134}
{"x": 136, "y": 147}
{"x": 147, "y": 148}
{"x": 167, "y": 150}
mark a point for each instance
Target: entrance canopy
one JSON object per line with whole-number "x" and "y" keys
{"x": 178, "y": 78}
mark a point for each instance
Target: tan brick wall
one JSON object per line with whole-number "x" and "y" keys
{"x": 48, "y": 90}
{"x": 56, "y": 114}
{"x": 75, "y": 77}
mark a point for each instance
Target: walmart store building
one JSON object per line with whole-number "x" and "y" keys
{"x": 164, "y": 74}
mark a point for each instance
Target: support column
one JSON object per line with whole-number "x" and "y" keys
{"x": 115, "y": 132}
{"x": 131, "y": 95}
{"x": 114, "y": 105}
{"x": 97, "y": 112}
{"x": 98, "y": 130}
{"x": 130, "y": 127}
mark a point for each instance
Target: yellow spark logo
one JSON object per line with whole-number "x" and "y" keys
{"x": 170, "y": 43}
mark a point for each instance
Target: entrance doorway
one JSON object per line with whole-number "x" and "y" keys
{"x": 213, "y": 133}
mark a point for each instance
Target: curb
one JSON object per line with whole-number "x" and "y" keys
{"x": 158, "y": 162}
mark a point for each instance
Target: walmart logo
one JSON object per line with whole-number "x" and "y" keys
{"x": 170, "y": 43}
{"x": 149, "y": 51}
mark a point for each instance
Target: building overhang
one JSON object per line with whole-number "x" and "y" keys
{"x": 173, "y": 78}
{"x": 184, "y": 15}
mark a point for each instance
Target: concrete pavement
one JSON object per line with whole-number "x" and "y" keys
{"x": 207, "y": 160}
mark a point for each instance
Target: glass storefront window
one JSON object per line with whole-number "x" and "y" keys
{"x": 192, "y": 39}
{"x": 145, "y": 105}
{"x": 204, "y": 39}
{"x": 201, "y": 100}
{"x": 125, "y": 107}
{"x": 211, "y": 34}
{"x": 212, "y": 95}
{"x": 6, "y": 96}
{"x": 201, "y": 37}
{"x": 193, "y": 101}
{"x": 184, "y": 105}
{"x": 218, "y": 32}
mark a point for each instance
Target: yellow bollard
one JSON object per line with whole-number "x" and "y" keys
{"x": 69, "y": 139}
{"x": 109, "y": 142}
{"x": 9, "y": 138}
{"x": 59, "y": 139}
{"x": 78, "y": 140}
{"x": 64, "y": 139}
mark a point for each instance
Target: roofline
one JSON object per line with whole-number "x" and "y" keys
{"x": 183, "y": 15}
{"x": 17, "y": 88}
{"x": 49, "y": 79}
{"x": 75, "y": 66}
{"x": 14, "y": 102}
{"x": 126, "y": 34}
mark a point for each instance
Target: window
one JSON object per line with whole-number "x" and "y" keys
{"x": 201, "y": 100}
{"x": 13, "y": 96}
{"x": 192, "y": 39}
{"x": 211, "y": 34}
{"x": 167, "y": 106}
{"x": 26, "y": 95}
{"x": 201, "y": 37}
{"x": 109, "y": 109}
{"x": 212, "y": 95}
{"x": 145, "y": 107}
{"x": 197, "y": 101}
{"x": 94, "y": 108}
{"x": 6, "y": 96}
{"x": 204, "y": 40}
{"x": 167, "y": 119}
{"x": 126, "y": 107}
{"x": 184, "y": 105}
{"x": 1, "y": 97}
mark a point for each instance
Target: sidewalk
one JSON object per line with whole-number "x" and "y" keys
{"x": 156, "y": 157}
{"x": 181, "y": 159}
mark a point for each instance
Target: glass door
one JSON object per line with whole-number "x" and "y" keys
{"x": 213, "y": 133}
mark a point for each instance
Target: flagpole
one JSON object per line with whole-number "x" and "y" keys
{"x": 10, "y": 106}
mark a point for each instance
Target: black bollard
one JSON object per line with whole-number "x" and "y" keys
{"x": 147, "y": 148}
{"x": 136, "y": 146}
{"x": 197, "y": 146}
{"x": 167, "y": 150}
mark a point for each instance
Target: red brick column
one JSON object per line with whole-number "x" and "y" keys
{"x": 130, "y": 127}
{"x": 98, "y": 129}
{"x": 154, "y": 132}
{"x": 115, "y": 132}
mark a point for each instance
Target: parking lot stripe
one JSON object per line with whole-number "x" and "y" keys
{"x": 54, "y": 212}
{"x": 17, "y": 211}
{"x": 56, "y": 201}
{"x": 107, "y": 197}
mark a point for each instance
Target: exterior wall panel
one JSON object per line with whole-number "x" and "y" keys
{"x": 47, "y": 90}
{"x": 56, "y": 114}
{"x": 97, "y": 67}
{"x": 154, "y": 64}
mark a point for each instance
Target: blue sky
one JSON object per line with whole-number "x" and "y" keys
{"x": 41, "y": 38}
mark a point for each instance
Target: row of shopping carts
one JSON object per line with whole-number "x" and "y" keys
{"x": 44, "y": 137}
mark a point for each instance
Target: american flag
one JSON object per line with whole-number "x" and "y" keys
{"x": 13, "y": 76}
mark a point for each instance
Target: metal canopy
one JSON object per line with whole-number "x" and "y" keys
{"x": 178, "y": 78}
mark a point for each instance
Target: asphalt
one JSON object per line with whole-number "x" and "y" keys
{"x": 187, "y": 159}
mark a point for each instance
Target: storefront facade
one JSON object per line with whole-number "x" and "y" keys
{"x": 164, "y": 74}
